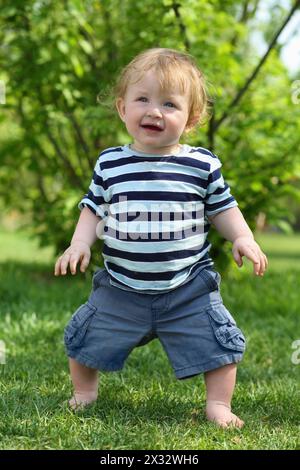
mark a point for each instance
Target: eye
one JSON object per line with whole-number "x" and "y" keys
{"x": 169, "y": 104}
{"x": 142, "y": 98}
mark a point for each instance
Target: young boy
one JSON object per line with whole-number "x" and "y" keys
{"x": 152, "y": 202}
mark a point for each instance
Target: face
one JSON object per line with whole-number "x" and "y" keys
{"x": 155, "y": 119}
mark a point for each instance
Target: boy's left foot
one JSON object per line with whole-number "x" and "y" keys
{"x": 220, "y": 413}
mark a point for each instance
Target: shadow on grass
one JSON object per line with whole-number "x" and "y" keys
{"x": 128, "y": 411}
{"x": 45, "y": 387}
{"x": 39, "y": 358}
{"x": 27, "y": 400}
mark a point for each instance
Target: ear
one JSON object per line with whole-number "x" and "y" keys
{"x": 120, "y": 105}
{"x": 191, "y": 123}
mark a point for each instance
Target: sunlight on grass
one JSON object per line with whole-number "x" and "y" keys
{"x": 283, "y": 251}
{"x": 144, "y": 406}
{"x": 19, "y": 246}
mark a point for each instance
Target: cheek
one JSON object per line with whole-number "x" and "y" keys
{"x": 132, "y": 124}
{"x": 179, "y": 123}
{"x": 133, "y": 114}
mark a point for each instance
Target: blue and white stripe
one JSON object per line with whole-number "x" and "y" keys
{"x": 155, "y": 210}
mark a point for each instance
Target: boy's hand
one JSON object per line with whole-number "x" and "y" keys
{"x": 78, "y": 251}
{"x": 247, "y": 246}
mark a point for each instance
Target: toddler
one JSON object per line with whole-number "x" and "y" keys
{"x": 152, "y": 202}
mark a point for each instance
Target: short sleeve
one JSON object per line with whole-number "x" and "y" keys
{"x": 218, "y": 196}
{"x": 95, "y": 198}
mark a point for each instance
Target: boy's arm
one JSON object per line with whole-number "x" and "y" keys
{"x": 84, "y": 237}
{"x": 232, "y": 226}
{"x": 85, "y": 230}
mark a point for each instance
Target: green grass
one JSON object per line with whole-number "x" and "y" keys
{"x": 144, "y": 406}
{"x": 19, "y": 246}
{"x": 283, "y": 251}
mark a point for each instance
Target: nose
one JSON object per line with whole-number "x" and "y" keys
{"x": 154, "y": 112}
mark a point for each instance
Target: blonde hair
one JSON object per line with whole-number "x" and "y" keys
{"x": 172, "y": 68}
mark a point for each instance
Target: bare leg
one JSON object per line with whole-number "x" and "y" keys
{"x": 85, "y": 383}
{"x": 220, "y": 385}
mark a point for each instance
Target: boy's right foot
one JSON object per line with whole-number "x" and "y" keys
{"x": 82, "y": 399}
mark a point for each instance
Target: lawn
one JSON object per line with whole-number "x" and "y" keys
{"x": 144, "y": 406}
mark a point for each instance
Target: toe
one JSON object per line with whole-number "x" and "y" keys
{"x": 74, "y": 405}
{"x": 240, "y": 423}
{"x": 221, "y": 423}
{"x": 236, "y": 422}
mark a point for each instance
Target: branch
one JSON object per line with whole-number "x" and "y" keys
{"x": 249, "y": 80}
{"x": 40, "y": 184}
{"x": 78, "y": 133}
{"x": 71, "y": 171}
{"x": 75, "y": 180}
{"x": 254, "y": 9}
{"x": 182, "y": 27}
{"x": 245, "y": 12}
{"x": 110, "y": 41}
{"x": 90, "y": 58}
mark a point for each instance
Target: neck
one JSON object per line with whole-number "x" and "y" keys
{"x": 172, "y": 150}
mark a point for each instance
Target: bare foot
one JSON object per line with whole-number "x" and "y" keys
{"x": 220, "y": 413}
{"x": 82, "y": 399}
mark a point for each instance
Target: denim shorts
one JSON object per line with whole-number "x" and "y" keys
{"x": 195, "y": 329}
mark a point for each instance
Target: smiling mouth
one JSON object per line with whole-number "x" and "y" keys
{"x": 151, "y": 127}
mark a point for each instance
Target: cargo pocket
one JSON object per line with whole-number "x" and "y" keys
{"x": 227, "y": 333}
{"x": 77, "y": 327}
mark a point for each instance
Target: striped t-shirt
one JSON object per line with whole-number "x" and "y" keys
{"x": 155, "y": 212}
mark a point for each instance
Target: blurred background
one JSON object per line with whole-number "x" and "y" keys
{"x": 58, "y": 63}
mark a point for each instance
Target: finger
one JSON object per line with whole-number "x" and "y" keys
{"x": 257, "y": 266}
{"x": 64, "y": 264}
{"x": 73, "y": 262}
{"x": 261, "y": 266}
{"x": 237, "y": 258}
{"x": 57, "y": 267}
{"x": 84, "y": 262}
{"x": 263, "y": 263}
{"x": 253, "y": 256}
{"x": 256, "y": 263}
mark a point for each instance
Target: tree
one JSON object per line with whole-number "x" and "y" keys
{"x": 59, "y": 56}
